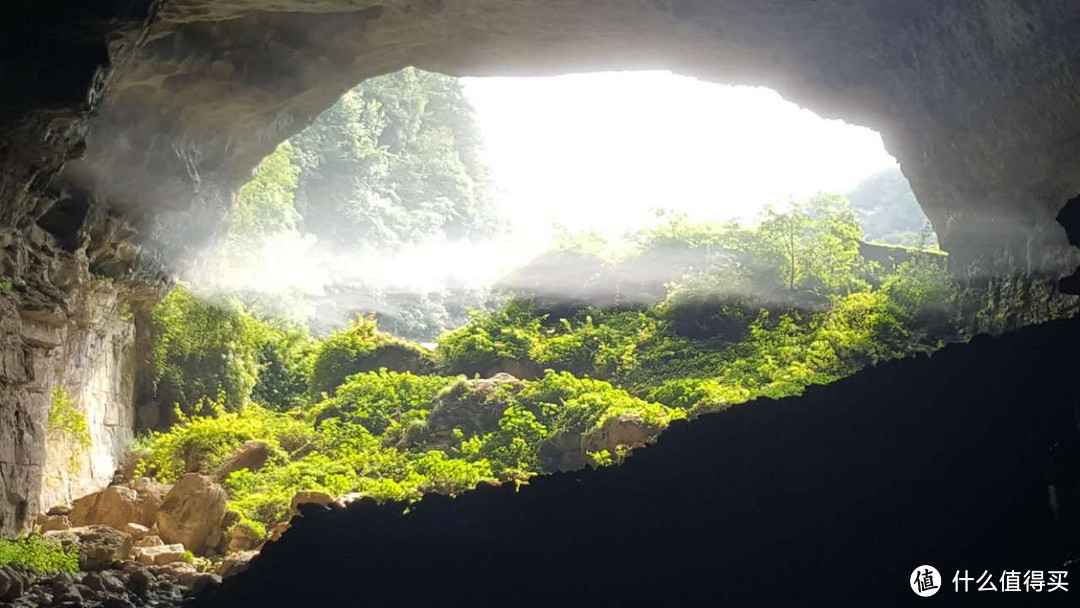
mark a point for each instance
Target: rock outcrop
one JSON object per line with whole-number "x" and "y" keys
{"x": 82, "y": 362}
{"x": 118, "y": 506}
{"x": 98, "y": 546}
{"x": 470, "y": 406}
{"x": 252, "y": 456}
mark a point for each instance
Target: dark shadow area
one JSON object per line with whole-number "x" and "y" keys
{"x": 1069, "y": 218}
{"x": 832, "y": 498}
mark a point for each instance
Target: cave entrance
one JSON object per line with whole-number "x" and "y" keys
{"x": 418, "y": 195}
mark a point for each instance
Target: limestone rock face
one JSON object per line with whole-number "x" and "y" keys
{"x": 99, "y": 546}
{"x": 192, "y": 513}
{"x": 80, "y": 357}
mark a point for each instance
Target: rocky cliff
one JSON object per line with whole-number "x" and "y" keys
{"x": 67, "y": 413}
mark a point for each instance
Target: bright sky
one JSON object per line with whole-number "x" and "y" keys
{"x": 573, "y": 149}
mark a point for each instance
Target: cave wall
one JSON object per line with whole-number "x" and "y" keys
{"x": 127, "y": 125}
{"x": 979, "y": 100}
{"x": 95, "y": 366}
{"x": 89, "y": 354}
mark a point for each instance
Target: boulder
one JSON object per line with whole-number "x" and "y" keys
{"x": 561, "y": 451}
{"x": 235, "y": 563}
{"x": 159, "y": 556}
{"x": 279, "y": 529}
{"x": 149, "y": 540}
{"x": 59, "y": 510}
{"x": 14, "y": 581}
{"x": 626, "y": 430}
{"x": 151, "y": 495}
{"x": 105, "y": 582}
{"x": 192, "y": 513}
{"x": 52, "y": 523}
{"x": 136, "y": 531}
{"x": 138, "y": 581}
{"x": 98, "y": 546}
{"x": 203, "y": 581}
{"x": 117, "y": 506}
{"x": 309, "y": 498}
{"x": 179, "y": 572}
{"x": 114, "y": 506}
{"x": 251, "y": 456}
{"x": 473, "y": 406}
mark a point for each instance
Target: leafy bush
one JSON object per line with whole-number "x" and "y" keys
{"x": 361, "y": 347}
{"x": 202, "y": 350}
{"x": 490, "y": 338}
{"x": 377, "y": 400}
{"x": 40, "y": 554}
{"x": 66, "y": 419}
{"x": 202, "y": 442}
{"x": 285, "y": 359}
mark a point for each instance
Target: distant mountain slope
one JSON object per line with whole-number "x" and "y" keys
{"x": 888, "y": 212}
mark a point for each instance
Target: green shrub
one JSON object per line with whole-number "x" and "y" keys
{"x": 490, "y": 338}
{"x": 361, "y": 347}
{"x": 708, "y": 394}
{"x": 201, "y": 443}
{"x": 67, "y": 420}
{"x": 379, "y": 399}
{"x": 202, "y": 350}
{"x": 285, "y": 359}
{"x": 40, "y": 554}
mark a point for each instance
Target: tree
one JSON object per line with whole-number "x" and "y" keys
{"x": 395, "y": 161}
{"x": 814, "y": 246}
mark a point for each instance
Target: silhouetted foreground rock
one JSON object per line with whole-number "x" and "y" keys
{"x": 833, "y": 498}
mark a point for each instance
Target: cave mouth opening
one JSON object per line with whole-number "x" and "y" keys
{"x": 420, "y": 195}
{"x": 446, "y": 282}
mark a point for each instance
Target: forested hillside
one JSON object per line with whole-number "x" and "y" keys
{"x": 395, "y": 163}
{"x": 888, "y": 212}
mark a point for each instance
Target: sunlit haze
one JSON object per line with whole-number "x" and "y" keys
{"x": 569, "y": 149}
{"x": 590, "y": 152}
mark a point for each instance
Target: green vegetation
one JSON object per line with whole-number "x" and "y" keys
{"x": 395, "y": 163}
{"x": 66, "y": 419}
{"x": 6, "y": 287}
{"x": 360, "y": 348}
{"x": 692, "y": 318}
{"x": 40, "y": 554}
